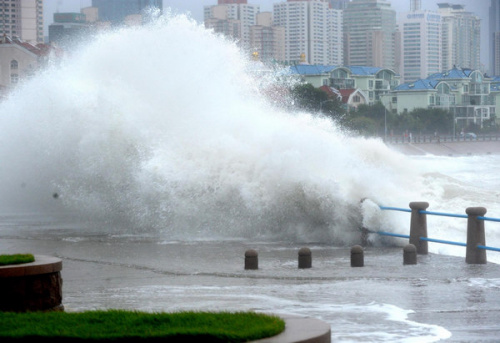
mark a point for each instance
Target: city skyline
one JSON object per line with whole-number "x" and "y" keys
{"x": 196, "y": 9}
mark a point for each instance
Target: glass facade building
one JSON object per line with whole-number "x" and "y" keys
{"x": 115, "y": 11}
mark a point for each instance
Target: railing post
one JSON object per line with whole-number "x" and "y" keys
{"x": 418, "y": 226}
{"x": 475, "y": 236}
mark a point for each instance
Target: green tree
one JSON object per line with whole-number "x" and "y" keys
{"x": 308, "y": 98}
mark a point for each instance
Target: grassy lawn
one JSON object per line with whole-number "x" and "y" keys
{"x": 118, "y": 325}
{"x": 16, "y": 259}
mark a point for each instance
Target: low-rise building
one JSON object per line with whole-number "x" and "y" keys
{"x": 19, "y": 60}
{"x": 467, "y": 93}
{"x": 373, "y": 82}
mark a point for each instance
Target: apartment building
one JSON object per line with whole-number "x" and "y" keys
{"x": 494, "y": 37}
{"x": 373, "y": 82}
{"x": 22, "y": 19}
{"x": 266, "y": 40}
{"x": 420, "y": 44}
{"x": 370, "y": 34}
{"x": 233, "y": 18}
{"x": 471, "y": 96}
{"x": 312, "y": 29}
{"x": 461, "y": 37}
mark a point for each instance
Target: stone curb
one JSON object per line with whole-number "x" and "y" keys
{"x": 41, "y": 265}
{"x": 301, "y": 330}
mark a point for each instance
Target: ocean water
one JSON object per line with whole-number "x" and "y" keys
{"x": 180, "y": 139}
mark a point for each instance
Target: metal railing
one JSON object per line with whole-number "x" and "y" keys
{"x": 401, "y": 139}
{"x": 476, "y": 246}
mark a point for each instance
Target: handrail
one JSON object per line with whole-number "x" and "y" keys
{"x": 382, "y": 233}
{"x": 444, "y": 214}
{"x": 442, "y": 241}
{"x": 395, "y": 209}
{"x": 418, "y": 230}
{"x": 489, "y": 219}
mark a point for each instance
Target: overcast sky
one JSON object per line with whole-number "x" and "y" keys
{"x": 195, "y": 8}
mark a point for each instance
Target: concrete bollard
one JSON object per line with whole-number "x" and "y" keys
{"x": 418, "y": 226}
{"x": 410, "y": 254}
{"x": 475, "y": 236}
{"x": 305, "y": 258}
{"x": 357, "y": 256}
{"x": 251, "y": 260}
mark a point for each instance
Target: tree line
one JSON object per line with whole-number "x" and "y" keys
{"x": 374, "y": 120}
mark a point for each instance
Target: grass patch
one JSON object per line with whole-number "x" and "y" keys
{"x": 16, "y": 259}
{"x": 123, "y": 325}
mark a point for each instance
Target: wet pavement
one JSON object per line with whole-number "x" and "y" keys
{"x": 385, "y": 301}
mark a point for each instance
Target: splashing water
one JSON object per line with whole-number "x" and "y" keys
{"x": 163, "y": 128}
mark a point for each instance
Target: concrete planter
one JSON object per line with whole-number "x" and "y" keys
{"x": 35, "y": 286}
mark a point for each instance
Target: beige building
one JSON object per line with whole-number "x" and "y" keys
{"x": 232, "y": 19}
{"x": 267, "y": 40}
{"x": 22, "y": 19}
{"x": 19, "y": 60}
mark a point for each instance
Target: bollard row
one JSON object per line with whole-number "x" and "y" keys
{"x": 305, "y": 257}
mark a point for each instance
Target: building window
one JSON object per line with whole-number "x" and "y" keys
{"x": 394, "y": 99}
{"x": 356, "y": 98}
{"x": 14, "y": 78}
{"x": 370, "y": 84}
{"x": 14, "y": 64}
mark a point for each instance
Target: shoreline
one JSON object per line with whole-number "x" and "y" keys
{"x": 448, "y": 148}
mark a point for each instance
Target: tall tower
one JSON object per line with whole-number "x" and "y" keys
{"x": 420, "y": 50}
{"x": 232, "y": 18}
{"x": 339, "y": 4}
{"x": 115, "y": 11}
{"x": 461, "y": 37}
{"x": 22, "y": 18}
{"x": 370, "y": 34}
{"x": 310, "y": 29}
{"x": 415, "y": 5}
{"x": 494, "y": 37}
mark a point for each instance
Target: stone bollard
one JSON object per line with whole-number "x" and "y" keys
{"x": 418, "y": 226}
{"x": 251, "y": 260}
{"x": 475, "y": 236}
{"x": 305, "y": 258}
{"x": 357, "y": 256}
{"x": 410, "y": 254}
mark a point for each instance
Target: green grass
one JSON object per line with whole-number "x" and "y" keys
{"x": 16, "y": 259}
{"x": 122, "y": 325}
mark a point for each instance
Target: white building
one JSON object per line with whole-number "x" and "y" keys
{"x": 22, "y": 19}
{"x": 232, "y": 19}
{"x": 461, "y": 37}
{"x": 311, "y": 28}
{"x": 336, "y": 36}
{"x": 420, "y": 44}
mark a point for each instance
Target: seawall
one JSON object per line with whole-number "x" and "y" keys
{"x": 456, "y": 148}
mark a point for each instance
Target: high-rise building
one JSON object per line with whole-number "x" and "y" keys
{"x": 115, "y": 11}
{"x": 311, "y": 27}
{"x": 494, "y": 37}
{"x": 22, "y": 19}
{"x": 267, "y": 40}
{"x": 420, "y": 44}
{"x": 67, "y": 28}
{"x": 339, "y": 4}
{"x": 232, "y": 18}
{"x": 461, "y": 37}
{"x": 370, "y": 34}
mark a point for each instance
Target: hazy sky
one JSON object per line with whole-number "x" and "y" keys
{"x": 195, "y": 7}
